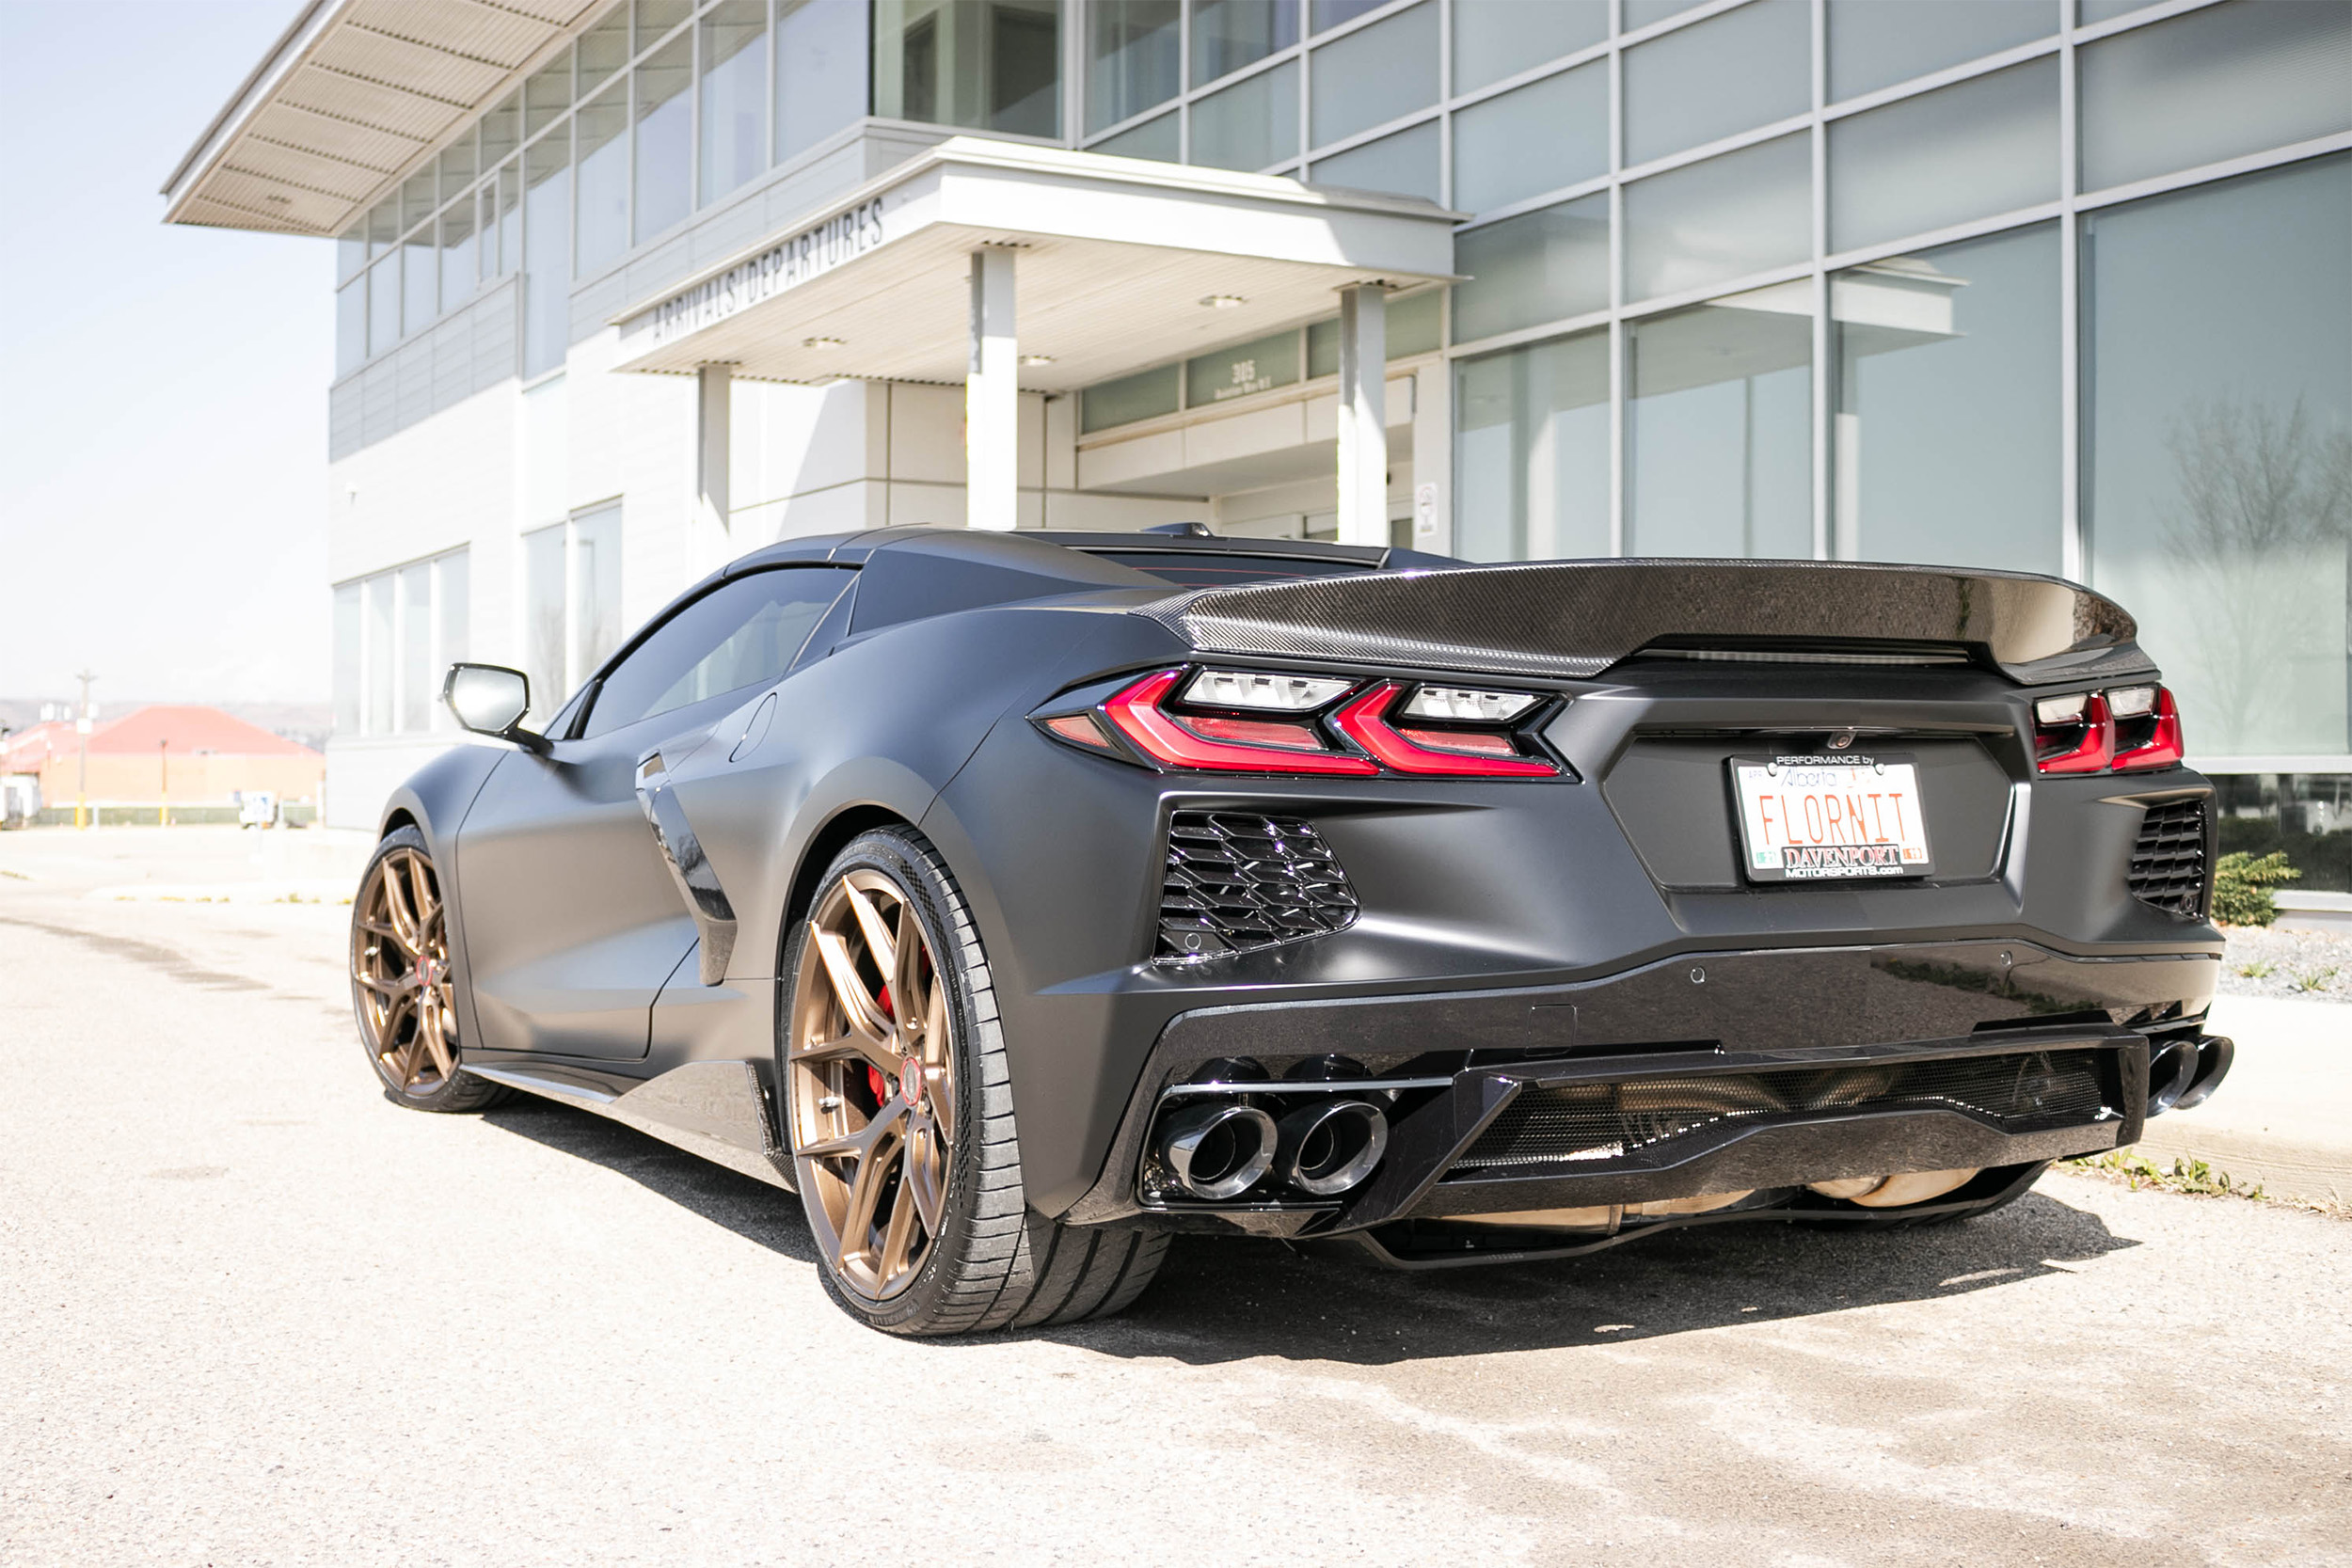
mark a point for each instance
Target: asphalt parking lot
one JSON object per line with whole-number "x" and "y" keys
{"x": 251, "y": 1314}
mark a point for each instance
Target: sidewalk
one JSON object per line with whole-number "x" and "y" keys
{"x": 2283, "y": 1117}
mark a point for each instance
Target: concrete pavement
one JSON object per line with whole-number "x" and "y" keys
{"x": 250, "y": 1313}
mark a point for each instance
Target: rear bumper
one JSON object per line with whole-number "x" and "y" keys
{"x": 1765, "y": 1028}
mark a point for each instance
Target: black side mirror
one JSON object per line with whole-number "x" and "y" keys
{"x": 490, "y": 699}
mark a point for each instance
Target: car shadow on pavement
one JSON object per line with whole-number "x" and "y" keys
{"x": 1220, "y": 1300}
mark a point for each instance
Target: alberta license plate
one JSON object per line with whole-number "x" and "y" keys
{"x": 1812, "y": 819}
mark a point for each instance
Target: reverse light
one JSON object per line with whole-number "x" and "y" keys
{"x": 1431, "y": 753}
{"x": 1472, "y": 707}
{"x": 2150, "y": 737}
{"x": 1165, "y": 738}
{"x": 1257, "y": 689}
{"x": 2073, "y": 735}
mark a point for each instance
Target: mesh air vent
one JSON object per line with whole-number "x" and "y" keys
{"x": 1236, "y": 882}
{"x": 1593, "y": 1124}
{"x": 2168, "y": 860}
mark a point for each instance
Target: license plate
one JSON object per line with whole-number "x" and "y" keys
{"x": 1816, "y": 818}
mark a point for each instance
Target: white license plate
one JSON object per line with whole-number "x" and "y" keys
{"x": 1811, "y": 818}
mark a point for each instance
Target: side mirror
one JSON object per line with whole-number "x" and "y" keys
{"x": 490, "y": 699}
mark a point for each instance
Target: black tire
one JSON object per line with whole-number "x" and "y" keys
{"x": 379, "y": 952}
{"x": 994, "y": 1263}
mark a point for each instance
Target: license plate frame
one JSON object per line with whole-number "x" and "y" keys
{"x": 1832, "y": 852}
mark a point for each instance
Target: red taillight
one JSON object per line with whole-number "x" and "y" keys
{"x": 2161, "y": 747}
{"x": 2084, "y": 744}
{"x": 1430, "y": 753}
{"x": 1137, "y": 713}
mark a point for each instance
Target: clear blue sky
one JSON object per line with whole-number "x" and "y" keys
{"x": 163, "y": 390}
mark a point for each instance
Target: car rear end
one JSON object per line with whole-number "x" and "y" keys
{"x": 1511, "y": 910}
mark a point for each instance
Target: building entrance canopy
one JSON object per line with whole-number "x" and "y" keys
{"x": 1121, "y": 263}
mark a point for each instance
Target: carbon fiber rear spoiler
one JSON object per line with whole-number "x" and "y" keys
{"x": 1573, "y": 619}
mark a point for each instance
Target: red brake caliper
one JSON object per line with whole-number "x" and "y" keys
{"x": 874, "y": 1079}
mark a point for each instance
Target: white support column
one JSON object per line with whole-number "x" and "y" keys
{"x": 1433, "y": 458}
{"x": 1364, "y": 415}
{"x": 714, "y": 410}
{"x": 992, "y": 398}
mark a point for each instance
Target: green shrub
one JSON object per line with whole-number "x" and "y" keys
{"x": 2242, "y": 884}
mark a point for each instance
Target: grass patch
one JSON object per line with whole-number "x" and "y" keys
{"x": 2192, "y": 1178}
{"x": 2260, "y": 969}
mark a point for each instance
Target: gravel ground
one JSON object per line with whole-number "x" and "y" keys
{"x": 2313, "y": 965}
{"x": 250, "y": 1313}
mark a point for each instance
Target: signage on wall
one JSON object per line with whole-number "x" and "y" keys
{"x": 784, "y": 265}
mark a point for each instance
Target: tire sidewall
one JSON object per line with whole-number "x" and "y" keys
{"x": 909, "y": 862}
{"x": 456, "y": 1086}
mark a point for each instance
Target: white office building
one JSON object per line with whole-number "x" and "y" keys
{"x": 623, "y": 290}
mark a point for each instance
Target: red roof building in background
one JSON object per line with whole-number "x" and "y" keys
{"x": 183, "y": 751}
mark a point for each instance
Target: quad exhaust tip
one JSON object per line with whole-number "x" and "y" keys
{"x": 1216, "y": 1152}
{"x": 1326, "y": 1149}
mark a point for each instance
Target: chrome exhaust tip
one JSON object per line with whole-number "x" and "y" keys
{"x": 1216, "y": 1153}
{"x": 1327, "y": 1148}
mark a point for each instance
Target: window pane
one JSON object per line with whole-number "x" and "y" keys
{"x": 1412, "y": 326}
{"x": 1873, "y": 44}
{"x": 383, "y": 226}
{"x": 384, "y": 304}
{"x": 736, "y": 638}
{"x": 1331, "y": 13}
{"x": 1969, "y": 150}
{"x": 1640, "y": 13}
{"x": 1532, "y": 452}
{"x": 543, "y": 621}
{"x": 2106, "y": 10}
{"x": 820, "y": 70}
{"x": 1946, "y": 423}
{"x": 501, "y": 131}
{"x": 351, "y": 250}
{"x": 1494, "y": 39}
{"x": 2218, "y": 393}
{"x": 347, "y": 635}
{"x": 457, "y": 254}
{"x": 1547, "y": 134}
{"x": 1719, "y": 428}
{"x": 454, "y": 609}
{"x": 1133, "y": 58}
{"x": 415, "y": 646}
{"x": 420, "y": 273}
{"x": 1716, "y": 78}
{"x": 457, "y": 165}
{"x": 1258, "y": 366}
{"x": 665, "y": 138}
{"x": 601, "y": 153}
{"x": 378, "y": 684}
{"x": 1376, "y": 74}
{"x": 988, "y": 64}
{"x": 1702, "y": 224}
{"x": 503, "y": 222}
{"x": 547, "y": 94}
{"x": 1153, "y": 138}
{"x": 418, "y": 198}
{"x": 603, "y": 51}
{"x": 1144, "y": 395}
{"x": 657, "y": 17}
{"x": 2213, "y": 85}
{"x": 351, "y": 326}
{"x": 735, "y": 96}
{"x": 1538, "y": 267}
{"x": 1230, "y": 34}
{"x": 596, "y": 605}
{"x": 1405, "y": 163}
{"x": 1250, "y": 124}
{"x": 548, "y": 263}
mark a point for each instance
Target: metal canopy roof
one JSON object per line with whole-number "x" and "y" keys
{"x": 344, "y": 101}
{"x": 1119, "y": 259}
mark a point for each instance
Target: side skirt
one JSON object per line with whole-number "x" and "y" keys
{"x": 719, "y": 1110}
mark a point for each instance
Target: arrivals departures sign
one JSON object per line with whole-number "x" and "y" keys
{"x": 784, "y": 265}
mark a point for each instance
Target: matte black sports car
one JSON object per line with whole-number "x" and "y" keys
{"x": 1020, "y": 901}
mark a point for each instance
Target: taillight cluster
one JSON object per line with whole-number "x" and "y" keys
{"x": 2124, "y": 729}
{"x": 1252, "y": 721}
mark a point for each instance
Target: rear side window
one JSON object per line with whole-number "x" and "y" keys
{"x": 741, "y": 635}
{"x": 1206, "y": 569}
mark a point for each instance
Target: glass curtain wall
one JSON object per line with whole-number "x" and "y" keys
{"x": 395, "y": 633}
{"x": 986, "y": 65}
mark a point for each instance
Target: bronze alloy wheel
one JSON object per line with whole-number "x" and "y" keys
{"x": 400, "y": 975}
{"x": 871, "y": 1057}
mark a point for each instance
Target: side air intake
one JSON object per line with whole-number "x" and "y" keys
{"x": 2168, "y": 859}
{"x": 1235, "y": 882}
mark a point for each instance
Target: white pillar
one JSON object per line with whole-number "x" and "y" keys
{"x": 1364, "y": 415}
{"x": 1433, "y": 458}
{"x": 714, "y": 387}
{"x": 992, "y": 398}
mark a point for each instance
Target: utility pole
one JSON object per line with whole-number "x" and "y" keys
{"x": 81, "y": 772}
{"x": 162, "y": 800}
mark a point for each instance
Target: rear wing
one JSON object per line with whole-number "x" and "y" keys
{"x": 1574, "y": 619}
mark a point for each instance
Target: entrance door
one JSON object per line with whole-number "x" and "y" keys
{"x": 572, "y": 921}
